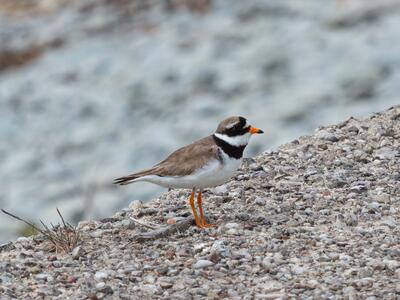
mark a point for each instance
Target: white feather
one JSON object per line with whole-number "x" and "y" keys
{"x": 212, "y": 174}
{"x": 239, "y": 140}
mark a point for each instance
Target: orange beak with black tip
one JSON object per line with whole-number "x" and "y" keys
{"x": 254, "y": 130}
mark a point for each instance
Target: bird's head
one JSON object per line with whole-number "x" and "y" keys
{"x": 236, "y": 131}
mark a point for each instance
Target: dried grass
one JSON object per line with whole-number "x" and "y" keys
{"x": 63, "y": 237}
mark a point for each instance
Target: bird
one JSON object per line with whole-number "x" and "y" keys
{"x": 208, "y": 162}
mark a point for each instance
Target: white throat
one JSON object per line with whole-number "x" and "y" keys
{"x": 239, "y": 140}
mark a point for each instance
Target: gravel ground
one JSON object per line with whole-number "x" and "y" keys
{"x": 318, "y": 218}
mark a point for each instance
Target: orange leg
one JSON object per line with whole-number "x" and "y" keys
{"x": 191, "y": 202}
{"x": 203, "y": 222}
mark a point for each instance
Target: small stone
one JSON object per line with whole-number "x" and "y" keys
{"x": 353, "y": 129}
{"x": 256, "y": 167}
{"x": 41, "y": 276}
{"x": 297, "y": 270}
{"x": 358, "y": 188}
{"x": 128, "y": 224}
{"x": 150, "y": 288}
{"x": 260, "y": 201}
{"x": 136, "y": 206}
{"x": 149, "y": 279}
{"x": 386, "y": 154}
{"x": 179, "y": 285}
{"x": 97, "y": 233}
{"x": 313, "y": 283}
{"x": 232, "y": 225}
{"x": 101, "y": 275}
{"x": 220, "y": 190}
{"x": 218, "y": 246}
{"x": 270, "y": 296}
{"x": 391, "y": 264}
{"x": 77, "y": 252}
{"x": 383, "y": 198}
{"x": 326, "y": 136}
{"x": 71, "y": 279}
{"x": 166, "y": 285}
{"x": 244, "y": 253}
{"x": 203, "y": 263}
{"x": 105, "y": 289}
{"x": 373, "y": 206}
{"x": 351, "y": 220}
{"x": 34, "y": 270}
{"x": 272, "y": 286}
{"x": 84, "y": 225}
{"x": 52, "y": 258}
{"x": 390, "y": 222}
{"x": 171, "y": 221}
{"x": 100, "y": 285}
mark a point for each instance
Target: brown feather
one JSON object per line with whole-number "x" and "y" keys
{"x": 183, "y": 161}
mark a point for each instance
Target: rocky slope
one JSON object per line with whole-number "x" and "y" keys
{"x": 318, "y": 218}
{"x": 93, "y": 89}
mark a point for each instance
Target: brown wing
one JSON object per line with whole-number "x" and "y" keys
{"x": 188, "y": 159}
{"x": 182, "y": 162}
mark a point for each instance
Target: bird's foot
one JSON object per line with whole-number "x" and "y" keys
{"x": 207, "y": 225}
{"x": 203, "y": 224}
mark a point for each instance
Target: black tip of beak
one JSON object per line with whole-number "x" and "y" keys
{"x": 260, "y": 131}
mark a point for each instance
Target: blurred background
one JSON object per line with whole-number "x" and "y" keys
{"x": 94, "y": 89}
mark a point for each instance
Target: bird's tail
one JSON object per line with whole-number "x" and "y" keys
{"x": 132, "y": 177}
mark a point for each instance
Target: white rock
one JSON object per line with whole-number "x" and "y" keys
{"x": 218, "y": 246}
{"x": 220, "y": 190}
{"x": 101, "y": 275}
{"x": 41, "y": 276}
{"x": 77, "y": 252}
{"x": 297, "y": 270}
{"x": 23, "y": 239}
{"x": 325, "y": 135}
{"x": 97, "y": 233}
{"x": 232, "y": 225}
{"x": 100, "y": 285}
{"x": 260, "y": 201}
{"x": 203, "y": 263}
{"x": 136, "y": 205}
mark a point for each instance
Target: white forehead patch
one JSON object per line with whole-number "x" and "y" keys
{"x": 229, "y": 126}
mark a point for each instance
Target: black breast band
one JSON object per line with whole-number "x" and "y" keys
{"x": 231, "y": 151}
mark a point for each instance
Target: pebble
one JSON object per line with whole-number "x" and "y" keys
{"x": 128, "y": 224}
{"x": 136, "y": 206}
{"x": 221, "y": 190}
{"x": 260, "y": 201}
{"x": 326, "y": 136}
{"x": 202, "y": 263}
{"x": 97, "y": 233}
{"x": 100, "y": 275}
{"x": 297, "y": 270}
{"x": 100, "y": 285}
{"x": 71, "y": 279}
{"x": 41, "y": 276}
{"x": 232, "y": 225}
{"x": 77, "y": 252}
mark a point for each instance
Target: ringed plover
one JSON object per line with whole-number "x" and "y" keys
{"x": 208, "y": 162}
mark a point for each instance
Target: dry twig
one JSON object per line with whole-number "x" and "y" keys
{"x": 163, "y": 232}
{"x": 150, "y": 226}
{"x": 64, "y": 237}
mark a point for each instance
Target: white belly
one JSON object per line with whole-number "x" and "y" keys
{"x": 213, "y": 174}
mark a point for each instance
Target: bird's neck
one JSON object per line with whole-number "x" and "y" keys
{"x": 232, "y": 150}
